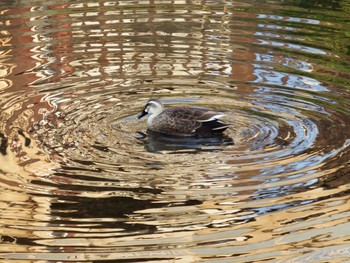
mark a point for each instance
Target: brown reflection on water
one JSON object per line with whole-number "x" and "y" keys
{"x": 16, "y": 61}
{"x": 24, "y": 63}
{"x": 31, "y": 54}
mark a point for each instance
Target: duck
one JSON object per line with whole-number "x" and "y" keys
{"x": 182, "y": 121}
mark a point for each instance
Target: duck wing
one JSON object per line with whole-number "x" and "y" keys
{"x": 185, "y": 121}
{"x": 175, "y": 125}
{"x": 195, "y": 114}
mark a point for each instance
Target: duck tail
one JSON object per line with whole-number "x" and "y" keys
{"x": 222, "y": 127}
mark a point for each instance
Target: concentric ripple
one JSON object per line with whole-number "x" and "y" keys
{"x": 81, "y": 179}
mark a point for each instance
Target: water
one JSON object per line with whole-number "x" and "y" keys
{"x": 81, "y": 183}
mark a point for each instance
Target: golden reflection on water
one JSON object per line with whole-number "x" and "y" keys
{"x": 79, "y": 183}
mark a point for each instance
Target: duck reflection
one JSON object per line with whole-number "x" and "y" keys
{"x": 157, "y": 142}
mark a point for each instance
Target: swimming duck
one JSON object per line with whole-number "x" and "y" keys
{"x": 182, "y": 121}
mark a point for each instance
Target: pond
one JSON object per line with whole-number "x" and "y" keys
{"x": 80, "y": 179}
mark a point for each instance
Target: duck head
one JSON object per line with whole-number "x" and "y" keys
{"x": 152, "y": 106}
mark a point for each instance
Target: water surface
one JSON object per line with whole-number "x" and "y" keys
{"x": 81, "y": 183}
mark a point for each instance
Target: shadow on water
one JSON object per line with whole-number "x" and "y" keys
{"x": 157, "y": 142}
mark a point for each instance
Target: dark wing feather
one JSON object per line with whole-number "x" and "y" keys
{"x": 177, "y": 124}
{"x": 186, "y": 121}
{"x": 195, "y": 114}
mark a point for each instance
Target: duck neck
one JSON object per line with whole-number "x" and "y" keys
{"x": 154, "y": 113}
{"x": 150, "y": 119}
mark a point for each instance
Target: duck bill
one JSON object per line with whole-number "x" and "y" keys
{"x": 143, "y": 113}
